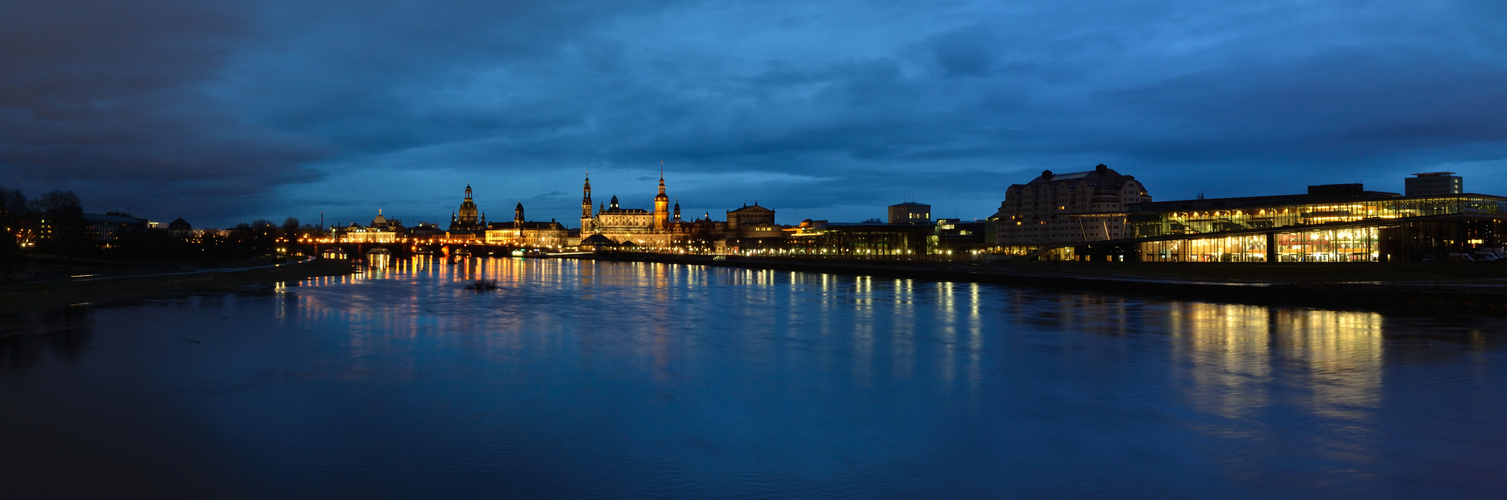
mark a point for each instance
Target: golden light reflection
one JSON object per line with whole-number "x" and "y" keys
{"x": 1230, "y": 357}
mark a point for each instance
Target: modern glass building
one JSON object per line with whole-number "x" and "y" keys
{"x": 1333, "y": 223}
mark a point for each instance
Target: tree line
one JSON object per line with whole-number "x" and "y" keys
{"x": 53, "y": 226}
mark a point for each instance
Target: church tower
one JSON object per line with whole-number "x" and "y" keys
{"x": 661, "y": 203}
{"x": 518, "y": 219}
{"x": 586, "y": 215}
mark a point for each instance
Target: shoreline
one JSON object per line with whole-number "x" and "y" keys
{"x": 1383, "y": 290}
{"x": 1435, "y": 287}
{"x": 21, "y": 297}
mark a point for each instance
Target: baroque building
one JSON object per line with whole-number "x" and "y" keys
{"x": 660, "y": 228}
{"x": 468, "y": 218}
{"x": 522, "y": 233}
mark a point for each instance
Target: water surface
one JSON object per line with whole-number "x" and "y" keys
{"x": 587, "y": 379}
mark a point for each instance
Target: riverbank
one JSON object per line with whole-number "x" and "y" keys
{"x": 1449, "y": 286}
{"x": 31, "y": 295}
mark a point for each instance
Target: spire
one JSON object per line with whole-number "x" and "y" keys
{"x": 661, "y": 177}
{"x": 468, "y": 191}
{"x": 586, "y": 197}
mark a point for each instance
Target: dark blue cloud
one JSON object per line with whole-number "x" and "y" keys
{"x": 828, "y": 110}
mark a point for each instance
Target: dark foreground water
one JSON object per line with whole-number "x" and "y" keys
{"x": 583, "y": 379}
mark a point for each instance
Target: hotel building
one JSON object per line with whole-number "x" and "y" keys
{"x": 1055, "y": 209}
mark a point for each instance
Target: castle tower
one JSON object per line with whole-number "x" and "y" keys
{"x": 586, "y": 215}
{"x": 677, "y": 209}
{"x": 661, "y": 204}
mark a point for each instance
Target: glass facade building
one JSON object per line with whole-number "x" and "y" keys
{"x": 1339, "y": 223}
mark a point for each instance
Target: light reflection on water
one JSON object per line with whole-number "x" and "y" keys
{"x": 580, "y": 378}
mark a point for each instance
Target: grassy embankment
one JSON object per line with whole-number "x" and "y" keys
{"x": 51, "y": 285}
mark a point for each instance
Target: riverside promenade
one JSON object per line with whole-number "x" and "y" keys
{"x": 1437, "y": 286}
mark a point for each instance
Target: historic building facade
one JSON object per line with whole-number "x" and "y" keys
{"x": 380, "y": 231}
{"x": 468, "y": 218}
{"x": 522, "y": 233}
{"x": 660, "y": 228}
{"x": 752, "y": 221}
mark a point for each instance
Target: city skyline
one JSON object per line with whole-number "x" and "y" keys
{"x": 229, "y": 113}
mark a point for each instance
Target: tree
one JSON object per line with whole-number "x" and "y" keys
{"x": 12, "y": 217}
{"x": 290, "y": 228}
{"x": 63, "y": 213}
{"x": 12, "y": 204}
{"x": 59, "y": 203}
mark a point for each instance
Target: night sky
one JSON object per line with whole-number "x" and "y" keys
{"x": 224, "y": 112}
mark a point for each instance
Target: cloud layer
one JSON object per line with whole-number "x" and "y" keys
{"x": 826, "y": 110}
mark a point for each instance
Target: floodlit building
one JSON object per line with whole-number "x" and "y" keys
{"x": 521, "y": 233}
{"x": 657, "y": 229}
{"x": 751, "y": 221}
{"x": 380, "y": 231}
{"x": 468, "y": 218}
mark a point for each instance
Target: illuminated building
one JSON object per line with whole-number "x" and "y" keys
{"x": 1066, "y": 208}
{"x": 752, "y": 221}
{"x": 380, "y": 231}
{"x": 910, "y": 212}
{"x": 468, "y": 218}
{"x": 640, "y": 227}
{"x": 957, "y": 236}
{"x": 181, "y": 230}
{"x": 102, "y": 227}
{"x": 1331, "y": 223}
{"x": 857, "y": 240}
{"x": 527, "y": 234}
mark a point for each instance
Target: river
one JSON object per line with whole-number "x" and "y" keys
{"x": 629, "y": 380}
